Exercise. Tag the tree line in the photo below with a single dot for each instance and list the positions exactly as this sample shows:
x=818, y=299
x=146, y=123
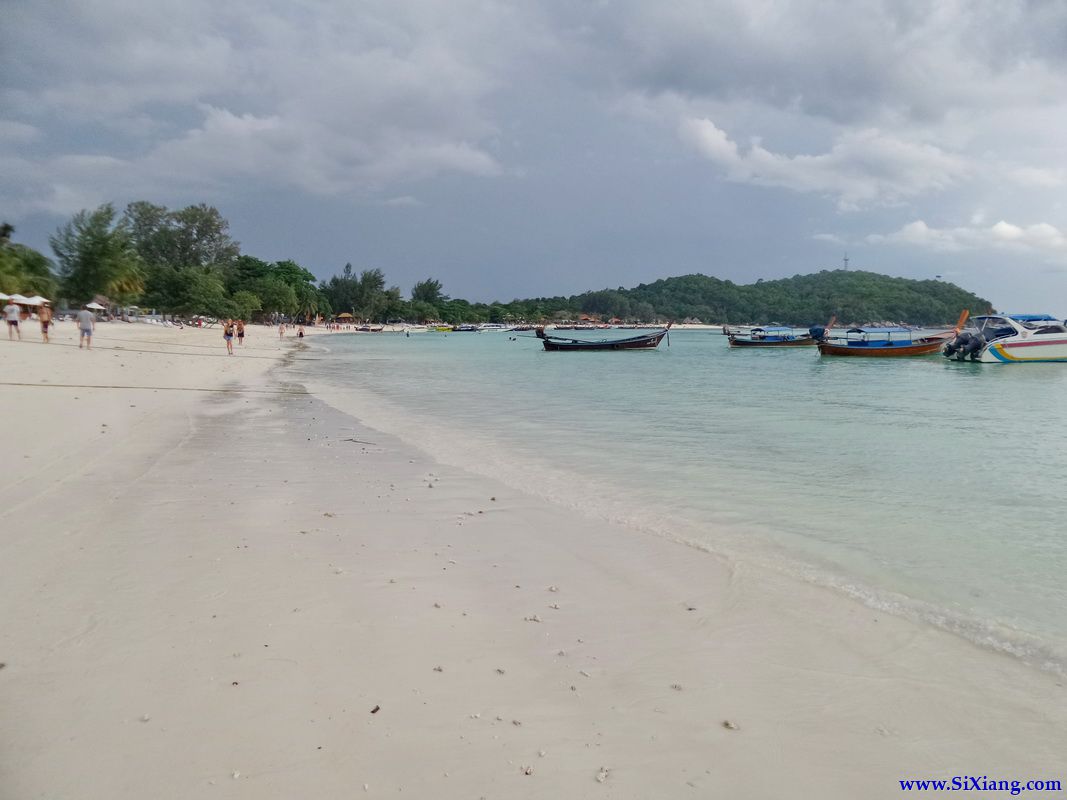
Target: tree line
x=185, y=262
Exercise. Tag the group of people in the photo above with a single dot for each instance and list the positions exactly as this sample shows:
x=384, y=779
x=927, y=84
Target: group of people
x=231, y=328
x=299, y=331
x=85, y=318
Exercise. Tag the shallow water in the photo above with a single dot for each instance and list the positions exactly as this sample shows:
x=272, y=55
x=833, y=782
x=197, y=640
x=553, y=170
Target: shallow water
x=923, y=486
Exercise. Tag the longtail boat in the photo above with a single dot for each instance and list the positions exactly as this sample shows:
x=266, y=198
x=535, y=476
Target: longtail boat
x=645, y=341
x=779, y=336
x=887, y=342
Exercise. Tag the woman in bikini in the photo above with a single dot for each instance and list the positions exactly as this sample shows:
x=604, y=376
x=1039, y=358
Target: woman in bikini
x=227, y=334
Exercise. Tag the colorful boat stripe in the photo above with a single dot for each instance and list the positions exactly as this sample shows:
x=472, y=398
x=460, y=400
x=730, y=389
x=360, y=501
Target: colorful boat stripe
x=1001, y=354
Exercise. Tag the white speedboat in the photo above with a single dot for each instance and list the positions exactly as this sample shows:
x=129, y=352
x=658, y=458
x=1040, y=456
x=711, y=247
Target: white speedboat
x=1011, y=339
x=492, y=327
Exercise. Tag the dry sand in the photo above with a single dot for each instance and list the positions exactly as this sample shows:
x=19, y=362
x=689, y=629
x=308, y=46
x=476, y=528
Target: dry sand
x=208, y=594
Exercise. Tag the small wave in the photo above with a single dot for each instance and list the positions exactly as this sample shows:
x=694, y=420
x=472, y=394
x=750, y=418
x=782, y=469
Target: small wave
x=731, y=536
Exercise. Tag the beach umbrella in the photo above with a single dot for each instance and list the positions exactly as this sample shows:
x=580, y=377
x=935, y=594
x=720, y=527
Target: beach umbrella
x=345, y=315
x=36, y=300
x=18, y=298
x=94, y=306
x=4, y=296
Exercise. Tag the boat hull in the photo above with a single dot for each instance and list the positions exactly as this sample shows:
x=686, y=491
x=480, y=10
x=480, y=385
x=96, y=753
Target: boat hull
x=921, y=348
x=802, y=341
x=646, y=342
x=1023, y=351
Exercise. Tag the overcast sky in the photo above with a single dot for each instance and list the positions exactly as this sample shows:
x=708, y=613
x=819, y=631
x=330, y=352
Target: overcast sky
x=513, y=149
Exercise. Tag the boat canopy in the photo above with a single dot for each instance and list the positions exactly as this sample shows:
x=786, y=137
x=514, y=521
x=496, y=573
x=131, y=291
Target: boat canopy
x=879, y=330
x=772, y=329
x=1031, y=317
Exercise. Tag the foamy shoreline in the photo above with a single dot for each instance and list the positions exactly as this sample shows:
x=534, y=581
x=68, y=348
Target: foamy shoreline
x=211, y=582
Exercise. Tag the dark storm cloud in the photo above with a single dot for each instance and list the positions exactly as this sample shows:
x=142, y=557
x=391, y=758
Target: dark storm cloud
x=450, y=134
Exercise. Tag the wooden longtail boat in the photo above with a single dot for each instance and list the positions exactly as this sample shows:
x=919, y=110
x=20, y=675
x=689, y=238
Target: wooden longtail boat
x=645, y=341
x=880, y=342
x=779, y=336
x=771, y=337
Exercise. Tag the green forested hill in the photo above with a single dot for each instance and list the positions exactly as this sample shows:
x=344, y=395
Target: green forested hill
x=801, y=300
x=185, y=262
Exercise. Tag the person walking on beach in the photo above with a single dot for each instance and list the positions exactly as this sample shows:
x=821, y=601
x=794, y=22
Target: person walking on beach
x=86, y=324
x=11, y=314
x=44, y=316
x=241, y=332
x=281, y=331
x=227, y=334
x=300, y=332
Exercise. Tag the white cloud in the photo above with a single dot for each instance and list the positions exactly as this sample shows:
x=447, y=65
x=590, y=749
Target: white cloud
x=402, y=201
x=1041, y=239
x=325, y=98
x=832, y=238
x=12, y=132
x=863, y=167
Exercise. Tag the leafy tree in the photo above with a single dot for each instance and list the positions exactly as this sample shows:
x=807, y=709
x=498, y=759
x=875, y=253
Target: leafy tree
x=96, y=255
x=342, y=291
x=423, y=312
x=246, y=304
x=276, y=296
x=23, y=269
x=245, y=272
x=171, y=242
x=428, y=291
x=202, y=237
x=204, y=292
x=292, y=273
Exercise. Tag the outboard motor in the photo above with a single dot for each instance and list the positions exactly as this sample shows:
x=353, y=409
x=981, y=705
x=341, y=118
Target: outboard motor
x=817, y=332
x=964, y=345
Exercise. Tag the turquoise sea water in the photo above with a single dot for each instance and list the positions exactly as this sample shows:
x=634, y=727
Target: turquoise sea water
x=927, y=487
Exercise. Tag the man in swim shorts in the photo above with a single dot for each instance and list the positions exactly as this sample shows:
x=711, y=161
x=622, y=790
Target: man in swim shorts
x=86, y=324
x=11, y=314
x=44, y=316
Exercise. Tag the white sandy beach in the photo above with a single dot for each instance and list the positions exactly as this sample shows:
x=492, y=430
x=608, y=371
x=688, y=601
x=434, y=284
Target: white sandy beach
x=210, y=579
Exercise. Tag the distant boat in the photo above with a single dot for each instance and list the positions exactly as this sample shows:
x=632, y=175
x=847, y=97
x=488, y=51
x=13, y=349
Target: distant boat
x=466, y=328
x=1011, y=339
x=645, y=341
x=370, y=328
x=778, y=336
x=492, y=327
x=887, y=342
